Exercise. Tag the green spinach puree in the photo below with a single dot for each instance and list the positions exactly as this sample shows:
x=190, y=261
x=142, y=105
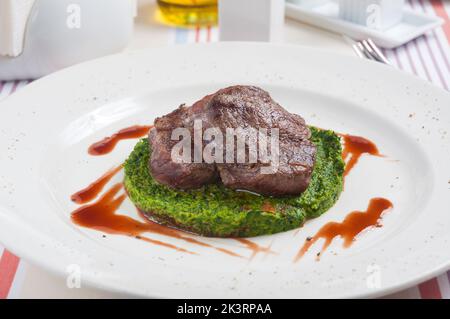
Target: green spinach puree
x=216, y=211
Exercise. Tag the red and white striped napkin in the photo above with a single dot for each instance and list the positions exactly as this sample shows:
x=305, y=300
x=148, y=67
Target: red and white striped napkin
x=427, y=57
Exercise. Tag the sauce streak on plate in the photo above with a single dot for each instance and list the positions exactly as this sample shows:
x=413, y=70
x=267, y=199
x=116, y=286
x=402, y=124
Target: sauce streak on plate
x=352, y=225
x=175, y=233
x=254, y=247
x=101, y=215
x=354, y=147
x=106, y=145
x=93, y=190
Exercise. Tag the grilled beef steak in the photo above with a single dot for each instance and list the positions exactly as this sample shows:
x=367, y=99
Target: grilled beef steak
x=164, y=170
x=248, y=109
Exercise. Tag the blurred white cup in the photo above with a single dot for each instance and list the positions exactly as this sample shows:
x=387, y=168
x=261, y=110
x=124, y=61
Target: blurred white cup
x=61, y=33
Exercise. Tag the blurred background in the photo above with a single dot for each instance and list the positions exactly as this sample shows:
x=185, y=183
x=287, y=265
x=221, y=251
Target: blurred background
x=38, y=37
x=154, y=23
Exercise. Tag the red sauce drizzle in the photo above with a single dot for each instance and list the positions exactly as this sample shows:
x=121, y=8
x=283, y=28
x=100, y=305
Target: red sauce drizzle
x=254, y=247
x=268, y=207
x=89, y=193
x=352, y=225
x=355, y=146
x=101, y=215
x=175, y=233
x=106, y=145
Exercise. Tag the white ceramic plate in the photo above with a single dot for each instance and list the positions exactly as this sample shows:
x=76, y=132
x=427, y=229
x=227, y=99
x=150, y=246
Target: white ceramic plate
x=45, y=130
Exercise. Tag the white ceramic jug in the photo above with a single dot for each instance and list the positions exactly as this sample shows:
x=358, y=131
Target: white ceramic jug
x=61, y=33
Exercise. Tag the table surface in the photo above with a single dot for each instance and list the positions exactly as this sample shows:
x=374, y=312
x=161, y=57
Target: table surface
x=427, y=57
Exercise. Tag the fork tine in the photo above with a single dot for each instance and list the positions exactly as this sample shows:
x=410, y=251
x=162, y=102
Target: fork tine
x=370, y=51
x=377, y=51
x=365, y=51
x=358, y=51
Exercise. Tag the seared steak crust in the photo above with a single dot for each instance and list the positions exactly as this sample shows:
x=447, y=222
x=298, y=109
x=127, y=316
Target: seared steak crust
x=250, y=109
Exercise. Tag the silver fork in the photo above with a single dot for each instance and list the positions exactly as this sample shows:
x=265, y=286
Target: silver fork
x=367, y=49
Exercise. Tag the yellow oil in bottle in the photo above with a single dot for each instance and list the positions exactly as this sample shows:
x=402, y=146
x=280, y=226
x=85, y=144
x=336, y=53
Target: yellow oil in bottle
x=187, y=13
